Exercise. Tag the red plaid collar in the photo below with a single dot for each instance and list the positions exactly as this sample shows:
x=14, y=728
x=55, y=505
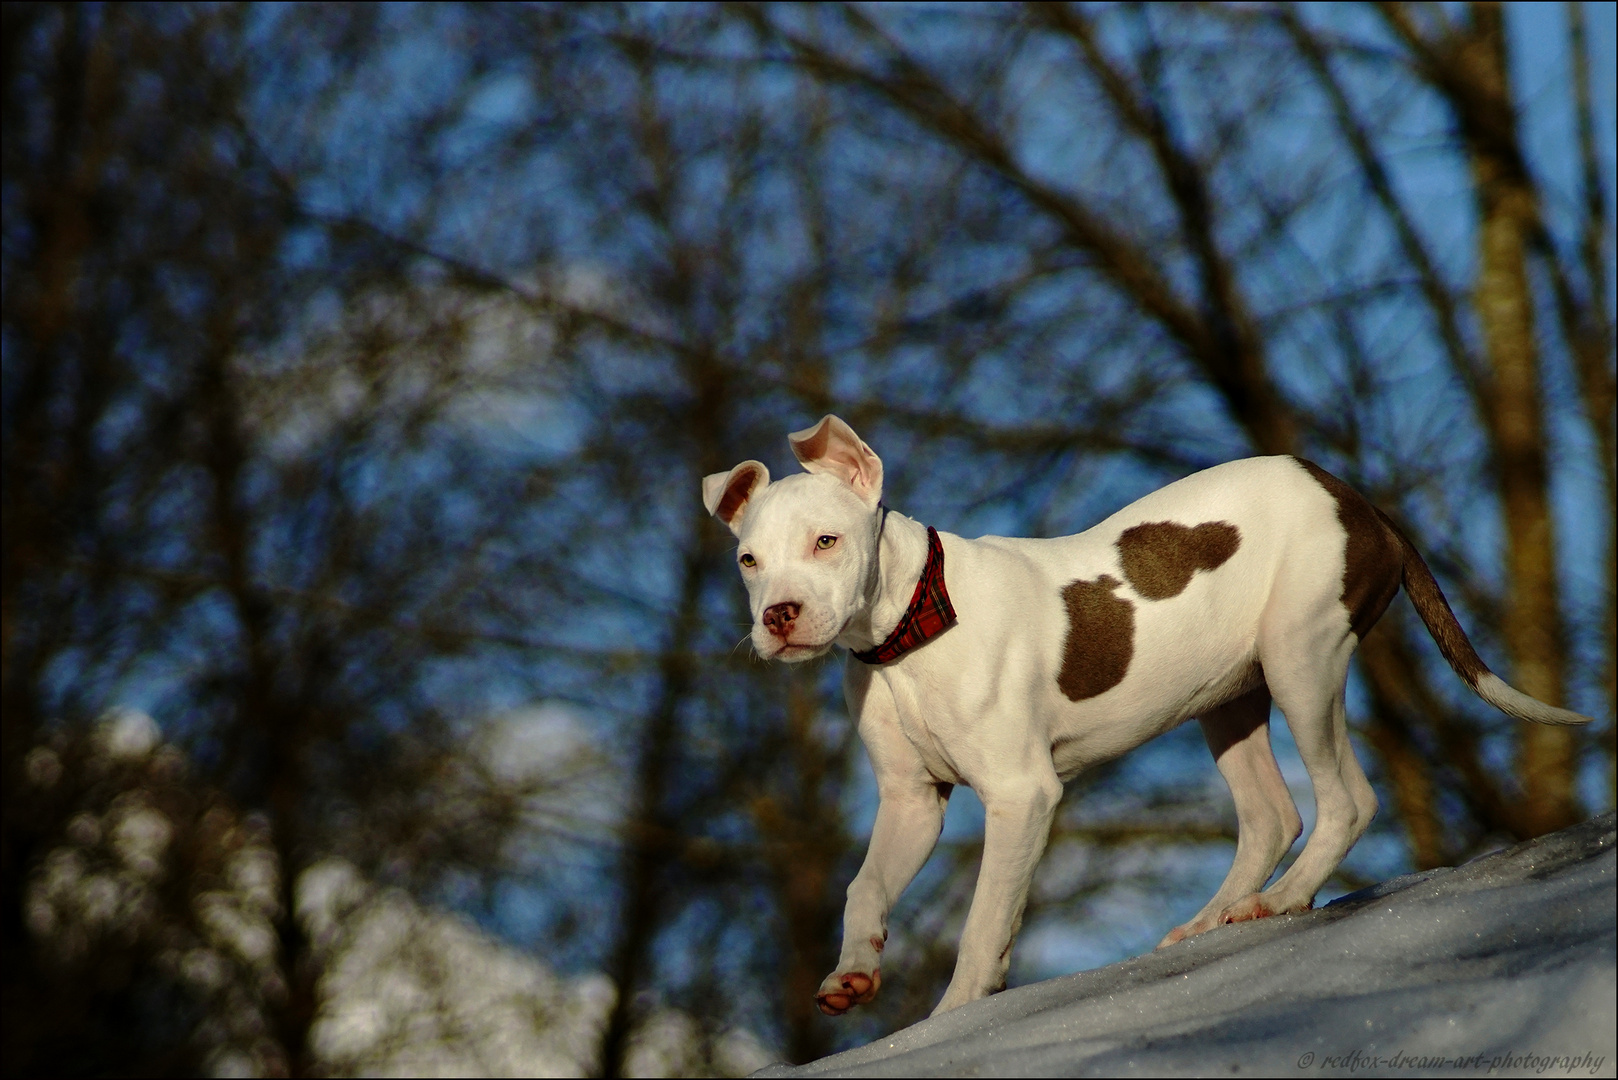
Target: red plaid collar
x=930, y=613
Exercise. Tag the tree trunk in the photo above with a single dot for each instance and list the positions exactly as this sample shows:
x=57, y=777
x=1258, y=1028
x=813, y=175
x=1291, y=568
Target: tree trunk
x=1507, y=217
x=1593, y=355
x=648, y=833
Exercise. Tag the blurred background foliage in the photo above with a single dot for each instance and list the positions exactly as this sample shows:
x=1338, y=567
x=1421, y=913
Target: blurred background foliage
x=375, y=690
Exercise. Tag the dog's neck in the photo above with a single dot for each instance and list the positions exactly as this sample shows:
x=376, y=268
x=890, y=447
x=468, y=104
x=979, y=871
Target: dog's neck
x=901, y=555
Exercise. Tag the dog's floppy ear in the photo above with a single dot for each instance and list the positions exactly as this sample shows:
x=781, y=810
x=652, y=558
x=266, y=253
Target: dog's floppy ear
x=831, y=447
x=726, y=494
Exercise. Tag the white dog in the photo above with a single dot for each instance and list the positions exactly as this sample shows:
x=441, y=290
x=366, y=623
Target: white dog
x=1011, y=665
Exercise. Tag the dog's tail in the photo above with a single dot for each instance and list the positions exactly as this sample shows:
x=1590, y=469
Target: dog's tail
x=1457, y=648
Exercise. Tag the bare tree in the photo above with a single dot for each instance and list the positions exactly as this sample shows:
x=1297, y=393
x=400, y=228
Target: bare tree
x=1192, y=262
x=361, y=366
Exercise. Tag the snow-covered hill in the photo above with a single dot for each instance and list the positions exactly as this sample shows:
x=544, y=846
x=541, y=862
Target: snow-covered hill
x=1504, y=966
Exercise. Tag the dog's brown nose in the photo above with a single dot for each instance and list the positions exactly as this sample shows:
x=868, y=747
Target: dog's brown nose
x=778, y=618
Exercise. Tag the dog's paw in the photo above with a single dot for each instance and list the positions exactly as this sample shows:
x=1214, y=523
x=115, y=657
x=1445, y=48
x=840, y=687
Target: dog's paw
x=844, y=990
x=1252, y=906
x=1185, y=930
x=1199, y=925
x=1257, y=906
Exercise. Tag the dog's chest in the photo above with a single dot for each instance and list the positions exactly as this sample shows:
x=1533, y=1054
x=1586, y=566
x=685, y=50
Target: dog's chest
x=926, y=725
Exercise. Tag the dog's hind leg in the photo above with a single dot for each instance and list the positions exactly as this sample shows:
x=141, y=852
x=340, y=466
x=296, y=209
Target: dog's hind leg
x=1267, y=822
x=1306, y=675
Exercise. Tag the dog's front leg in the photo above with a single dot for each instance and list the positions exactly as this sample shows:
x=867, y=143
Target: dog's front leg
x=909, y=818
x=908, y=821
x=1017, y=820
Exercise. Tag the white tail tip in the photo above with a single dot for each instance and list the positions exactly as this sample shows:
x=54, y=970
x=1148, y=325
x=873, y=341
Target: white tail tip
x=1496, y=692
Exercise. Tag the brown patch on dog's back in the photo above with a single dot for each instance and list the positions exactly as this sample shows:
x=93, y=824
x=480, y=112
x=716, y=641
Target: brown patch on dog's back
x=1100, y=638
x=1160, y=557
x=1373, y=558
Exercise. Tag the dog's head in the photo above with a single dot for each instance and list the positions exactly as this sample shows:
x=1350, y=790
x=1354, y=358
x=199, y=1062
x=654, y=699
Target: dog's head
x=808, y=543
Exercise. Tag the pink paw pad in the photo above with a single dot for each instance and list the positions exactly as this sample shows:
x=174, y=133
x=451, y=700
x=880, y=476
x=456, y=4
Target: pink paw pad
x=842, y=992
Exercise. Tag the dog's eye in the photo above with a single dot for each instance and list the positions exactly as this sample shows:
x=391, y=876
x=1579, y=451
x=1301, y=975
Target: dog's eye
x=747, y=560
x=825, y=542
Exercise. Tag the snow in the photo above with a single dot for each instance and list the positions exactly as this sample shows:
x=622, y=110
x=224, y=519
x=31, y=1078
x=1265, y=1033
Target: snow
x=411, y=990
x=404, y=988
x=1503, y=966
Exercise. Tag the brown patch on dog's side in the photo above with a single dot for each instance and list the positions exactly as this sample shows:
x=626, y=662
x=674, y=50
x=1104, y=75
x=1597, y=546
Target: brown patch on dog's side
x=1100, y=638
x=1373, y=559
x=1160, y=557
